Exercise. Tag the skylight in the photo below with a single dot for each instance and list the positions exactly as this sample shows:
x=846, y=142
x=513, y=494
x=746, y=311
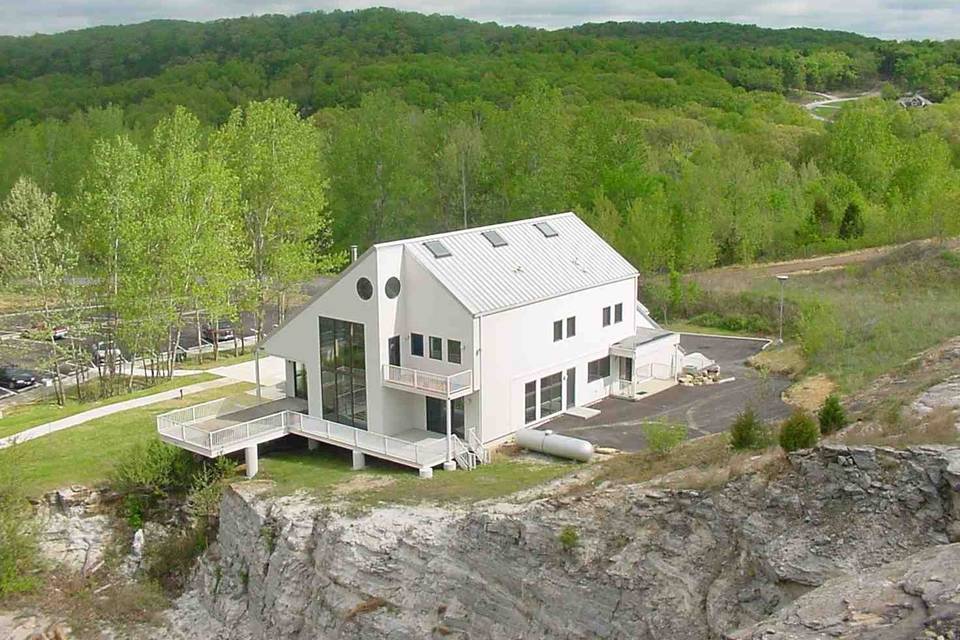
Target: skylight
x=494, y=238
x=437, y=248
x=546, y=229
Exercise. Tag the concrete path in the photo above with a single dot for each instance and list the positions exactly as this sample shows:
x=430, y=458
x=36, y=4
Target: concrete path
x=106, y=410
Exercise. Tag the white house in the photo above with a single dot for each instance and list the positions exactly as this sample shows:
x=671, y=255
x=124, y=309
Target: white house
x=425, y=350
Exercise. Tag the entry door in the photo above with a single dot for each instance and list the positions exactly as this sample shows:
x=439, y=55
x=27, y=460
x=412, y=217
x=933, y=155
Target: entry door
x=393, y=346
x=626, y=369
x=571, y=387
x=436, y=416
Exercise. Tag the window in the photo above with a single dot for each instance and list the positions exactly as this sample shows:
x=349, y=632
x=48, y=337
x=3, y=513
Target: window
x=551, y=388
x=343, y=380
x=392, y=288
x=530, y=402
x=437, y=248
x=618, y=312
x=571, y=326
x=436, y=348
x=299, y=381
x=436, y=416
x=364, y=289
x=558, y=330
x=494, y=238
x=453, y=351
x=606, y=316
x=546, y=229
x=598, y=369
x=416, y=344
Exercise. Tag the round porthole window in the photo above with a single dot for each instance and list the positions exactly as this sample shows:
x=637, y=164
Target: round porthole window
x=364, y=289
x=392, y=288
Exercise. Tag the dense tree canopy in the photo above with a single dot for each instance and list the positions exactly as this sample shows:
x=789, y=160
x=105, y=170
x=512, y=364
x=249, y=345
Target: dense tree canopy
x=679, y=142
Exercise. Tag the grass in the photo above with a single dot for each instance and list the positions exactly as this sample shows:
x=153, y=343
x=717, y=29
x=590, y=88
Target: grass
x=21, y=417
x=225, y=358
x=327, y=472
x=85, y=454
x=853, y=323
x=689, y=327
x=878, y=315
x=785, y=360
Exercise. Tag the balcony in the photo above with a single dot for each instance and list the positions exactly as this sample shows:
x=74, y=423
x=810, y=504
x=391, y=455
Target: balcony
x=217, y=428
x=429, y=384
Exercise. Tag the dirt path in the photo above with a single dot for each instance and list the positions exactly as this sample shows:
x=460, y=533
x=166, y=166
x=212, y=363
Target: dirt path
x=833, y=102
x=741, y=277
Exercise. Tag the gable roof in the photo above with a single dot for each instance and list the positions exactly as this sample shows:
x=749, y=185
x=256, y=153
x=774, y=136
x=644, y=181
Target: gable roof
x=529, y=268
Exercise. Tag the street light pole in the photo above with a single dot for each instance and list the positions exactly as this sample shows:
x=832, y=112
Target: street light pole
x=783, y=279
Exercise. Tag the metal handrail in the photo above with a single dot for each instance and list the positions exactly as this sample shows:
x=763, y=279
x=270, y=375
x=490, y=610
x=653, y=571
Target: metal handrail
x=427, y=381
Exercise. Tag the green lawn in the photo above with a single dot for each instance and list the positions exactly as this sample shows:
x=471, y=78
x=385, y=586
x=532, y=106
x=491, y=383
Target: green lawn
x=224, y=358
x=327, y=471
x=688, y=327
x=21, y=417
x=85, y=454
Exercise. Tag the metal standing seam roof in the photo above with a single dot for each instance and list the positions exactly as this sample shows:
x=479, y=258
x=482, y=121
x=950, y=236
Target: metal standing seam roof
x=529, y=268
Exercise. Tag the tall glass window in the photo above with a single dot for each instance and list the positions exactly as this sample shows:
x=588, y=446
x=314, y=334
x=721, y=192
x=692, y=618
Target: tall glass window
x=530, y=402
x=550, y=395
x=343, y=376
x=299, y=381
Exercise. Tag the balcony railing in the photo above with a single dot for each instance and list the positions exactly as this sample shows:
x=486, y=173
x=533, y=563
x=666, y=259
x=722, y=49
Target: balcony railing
x=433, y=384
x=424, y=453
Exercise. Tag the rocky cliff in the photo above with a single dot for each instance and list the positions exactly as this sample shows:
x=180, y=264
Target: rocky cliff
x=611, y=561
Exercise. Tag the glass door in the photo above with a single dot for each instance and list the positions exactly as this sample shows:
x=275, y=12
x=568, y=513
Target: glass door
x=571, y=387
x=393, y=346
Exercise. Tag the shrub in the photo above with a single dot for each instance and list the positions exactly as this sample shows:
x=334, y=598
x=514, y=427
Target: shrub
x=154, y=468
x=19, y=557
x=170, y=561
x=662, y=437
x=748, y=432
x=832, y=417
x=569, y=538
x=799, y=431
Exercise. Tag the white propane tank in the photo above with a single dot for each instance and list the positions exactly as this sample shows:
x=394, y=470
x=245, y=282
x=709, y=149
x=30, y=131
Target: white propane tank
x=555, y=445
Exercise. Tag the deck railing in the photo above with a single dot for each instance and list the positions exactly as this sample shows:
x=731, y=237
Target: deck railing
x=237, y=436
x=460, y=383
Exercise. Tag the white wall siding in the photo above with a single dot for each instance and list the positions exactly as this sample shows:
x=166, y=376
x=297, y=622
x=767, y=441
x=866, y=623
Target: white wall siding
x=518, y=347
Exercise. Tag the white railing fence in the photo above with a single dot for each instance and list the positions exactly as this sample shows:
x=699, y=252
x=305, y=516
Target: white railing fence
x=426, y=381
x=475, y=444
x=465, y=458
x=196, y=413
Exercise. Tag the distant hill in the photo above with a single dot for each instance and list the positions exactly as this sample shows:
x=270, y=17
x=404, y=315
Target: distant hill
x=330, y=59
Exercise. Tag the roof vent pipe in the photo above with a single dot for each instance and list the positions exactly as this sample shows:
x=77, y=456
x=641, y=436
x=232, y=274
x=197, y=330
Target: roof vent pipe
x=353, y=253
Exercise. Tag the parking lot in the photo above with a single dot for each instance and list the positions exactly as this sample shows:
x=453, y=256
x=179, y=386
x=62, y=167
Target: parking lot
x=19, y=349
x=703, y=409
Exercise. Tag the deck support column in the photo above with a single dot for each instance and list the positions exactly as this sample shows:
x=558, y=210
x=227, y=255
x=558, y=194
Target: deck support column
x=359, y=460
x=253, y=462
x=312, y=444
x=449, y=434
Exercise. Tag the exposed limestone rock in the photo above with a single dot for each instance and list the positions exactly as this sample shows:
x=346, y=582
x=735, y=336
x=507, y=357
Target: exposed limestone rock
x=913, y=599
x=74, y=531
x=646, y=564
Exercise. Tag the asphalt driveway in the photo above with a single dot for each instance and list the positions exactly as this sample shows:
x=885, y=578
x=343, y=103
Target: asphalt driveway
x=704, y=409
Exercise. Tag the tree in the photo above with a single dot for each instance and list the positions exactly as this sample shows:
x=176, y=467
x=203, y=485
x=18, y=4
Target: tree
x=748, y=432
x=32, y=244
x=851, y=225
x=831, y=416
x=276, y=157
x=799, y=431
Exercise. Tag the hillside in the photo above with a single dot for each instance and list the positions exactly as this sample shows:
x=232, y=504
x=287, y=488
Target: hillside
x=676, y=141
x=327, y=59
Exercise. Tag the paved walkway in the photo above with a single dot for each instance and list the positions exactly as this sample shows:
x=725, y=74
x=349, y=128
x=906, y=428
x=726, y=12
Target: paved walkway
x=106, y=410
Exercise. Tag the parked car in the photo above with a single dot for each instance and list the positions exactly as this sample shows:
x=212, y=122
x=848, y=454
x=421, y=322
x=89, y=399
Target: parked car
x=17, y=378
x=40, y=331
x=220, y=333
x=101, y=354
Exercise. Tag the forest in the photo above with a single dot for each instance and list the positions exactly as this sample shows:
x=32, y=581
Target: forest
x=682, y=143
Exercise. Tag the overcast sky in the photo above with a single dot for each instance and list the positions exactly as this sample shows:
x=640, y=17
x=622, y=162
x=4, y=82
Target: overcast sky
x=899, y=19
